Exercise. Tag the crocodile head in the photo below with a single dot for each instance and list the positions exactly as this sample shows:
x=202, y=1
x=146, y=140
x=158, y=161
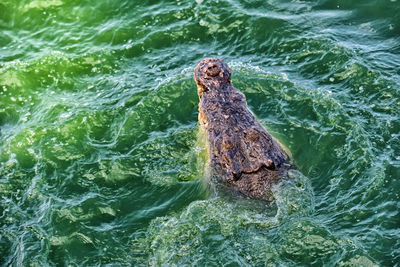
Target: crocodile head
x=242, y=154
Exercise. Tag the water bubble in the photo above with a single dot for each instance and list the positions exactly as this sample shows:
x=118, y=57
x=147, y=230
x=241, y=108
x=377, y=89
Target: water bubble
x=331, y=79
x=361, y=88
x=66, y=115
x=13, y=99
x=199, y=1
x=202, y=22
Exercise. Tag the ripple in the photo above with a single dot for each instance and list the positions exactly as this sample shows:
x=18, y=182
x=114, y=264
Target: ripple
x=99, y=157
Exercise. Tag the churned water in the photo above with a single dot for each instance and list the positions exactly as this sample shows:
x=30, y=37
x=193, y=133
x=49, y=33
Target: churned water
x=100, y=162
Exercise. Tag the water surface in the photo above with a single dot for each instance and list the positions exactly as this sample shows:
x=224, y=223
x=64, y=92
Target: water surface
x=100, y=162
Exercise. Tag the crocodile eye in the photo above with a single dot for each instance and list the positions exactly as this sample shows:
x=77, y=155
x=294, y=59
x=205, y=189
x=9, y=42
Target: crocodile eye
x=253, y=135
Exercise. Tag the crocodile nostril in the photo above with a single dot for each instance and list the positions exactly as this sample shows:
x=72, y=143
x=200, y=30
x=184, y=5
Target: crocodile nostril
x=213, y=70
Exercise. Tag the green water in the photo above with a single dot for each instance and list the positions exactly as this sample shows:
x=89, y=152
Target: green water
x=100, y=163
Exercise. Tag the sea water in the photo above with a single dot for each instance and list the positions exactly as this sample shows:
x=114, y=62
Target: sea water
x=100, y=163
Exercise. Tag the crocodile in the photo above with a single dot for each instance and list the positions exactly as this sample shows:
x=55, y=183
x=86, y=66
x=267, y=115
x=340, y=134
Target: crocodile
x=242, y=154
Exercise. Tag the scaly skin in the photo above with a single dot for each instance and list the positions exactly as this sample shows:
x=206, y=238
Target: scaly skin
x=242, y=153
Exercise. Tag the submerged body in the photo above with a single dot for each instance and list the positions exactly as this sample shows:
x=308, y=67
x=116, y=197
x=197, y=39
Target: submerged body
x=243, y=155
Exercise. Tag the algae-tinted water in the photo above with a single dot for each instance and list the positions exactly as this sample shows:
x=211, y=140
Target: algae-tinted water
x=99, y=158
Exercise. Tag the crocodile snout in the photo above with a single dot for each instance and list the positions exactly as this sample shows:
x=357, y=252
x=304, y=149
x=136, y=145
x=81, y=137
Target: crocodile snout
x=212, y=69
x=211, y=74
